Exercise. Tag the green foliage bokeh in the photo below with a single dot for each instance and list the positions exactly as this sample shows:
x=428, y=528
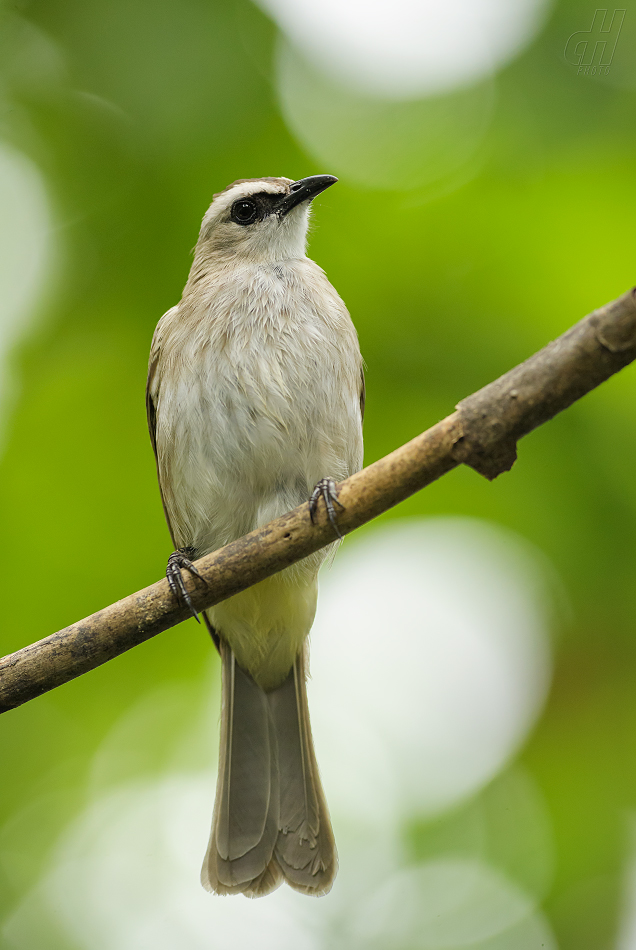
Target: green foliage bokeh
x=136, y=113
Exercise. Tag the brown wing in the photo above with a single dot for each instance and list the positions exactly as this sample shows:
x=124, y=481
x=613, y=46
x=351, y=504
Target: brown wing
x=151, y=412
x=363, y=395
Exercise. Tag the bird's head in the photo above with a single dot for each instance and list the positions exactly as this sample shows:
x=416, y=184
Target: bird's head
x=261, y=218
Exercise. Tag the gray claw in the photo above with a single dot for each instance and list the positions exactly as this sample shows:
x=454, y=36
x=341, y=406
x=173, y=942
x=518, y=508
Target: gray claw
x=177, y=562
x=326, y=489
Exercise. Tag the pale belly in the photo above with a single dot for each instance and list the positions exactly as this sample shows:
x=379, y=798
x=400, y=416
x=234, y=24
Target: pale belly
x=267, y=624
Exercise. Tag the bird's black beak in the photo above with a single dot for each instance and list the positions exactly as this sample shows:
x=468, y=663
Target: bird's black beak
x=303, y=190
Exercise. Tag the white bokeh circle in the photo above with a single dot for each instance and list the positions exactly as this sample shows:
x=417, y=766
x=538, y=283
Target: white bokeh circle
x=448, y=904
x=430, y=661
x=408, y=48
x=416, y=144
x=25, y=249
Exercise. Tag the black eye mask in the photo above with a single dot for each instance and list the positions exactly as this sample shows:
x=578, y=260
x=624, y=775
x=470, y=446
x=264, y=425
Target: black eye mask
x=249, y=210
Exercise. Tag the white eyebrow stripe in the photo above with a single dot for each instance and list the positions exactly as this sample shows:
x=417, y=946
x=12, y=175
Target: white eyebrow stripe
x=247, y=188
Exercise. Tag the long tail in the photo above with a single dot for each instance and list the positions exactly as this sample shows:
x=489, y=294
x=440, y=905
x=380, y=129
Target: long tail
x=271, y=821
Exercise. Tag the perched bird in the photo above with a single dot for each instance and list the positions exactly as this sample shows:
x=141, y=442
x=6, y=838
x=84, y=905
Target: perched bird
x=255, y=399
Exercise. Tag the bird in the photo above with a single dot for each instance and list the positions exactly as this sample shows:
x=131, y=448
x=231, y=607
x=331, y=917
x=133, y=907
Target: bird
x=255, y=400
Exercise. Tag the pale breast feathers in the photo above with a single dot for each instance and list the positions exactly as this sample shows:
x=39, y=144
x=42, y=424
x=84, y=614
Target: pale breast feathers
x=255, y=392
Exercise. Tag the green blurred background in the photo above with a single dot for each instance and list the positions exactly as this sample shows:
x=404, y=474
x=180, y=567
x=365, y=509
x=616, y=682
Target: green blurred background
x=466, y=231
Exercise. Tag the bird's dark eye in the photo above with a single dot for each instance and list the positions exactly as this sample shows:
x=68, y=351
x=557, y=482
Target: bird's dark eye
x=244, y=211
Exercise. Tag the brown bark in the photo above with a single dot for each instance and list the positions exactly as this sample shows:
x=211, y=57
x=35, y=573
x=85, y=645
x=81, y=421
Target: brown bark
x=482, y=433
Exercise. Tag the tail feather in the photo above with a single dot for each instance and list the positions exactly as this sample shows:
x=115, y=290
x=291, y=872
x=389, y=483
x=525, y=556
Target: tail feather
x=245, y=803
x=305, y=848
x=270, y=817
x=245, y=824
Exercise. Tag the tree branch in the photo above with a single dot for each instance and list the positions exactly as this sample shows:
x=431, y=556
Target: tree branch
x=482, y=433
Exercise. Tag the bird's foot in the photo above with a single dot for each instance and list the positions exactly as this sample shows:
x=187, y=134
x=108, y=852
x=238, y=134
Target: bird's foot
x=177, y=562
x=325, y=489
